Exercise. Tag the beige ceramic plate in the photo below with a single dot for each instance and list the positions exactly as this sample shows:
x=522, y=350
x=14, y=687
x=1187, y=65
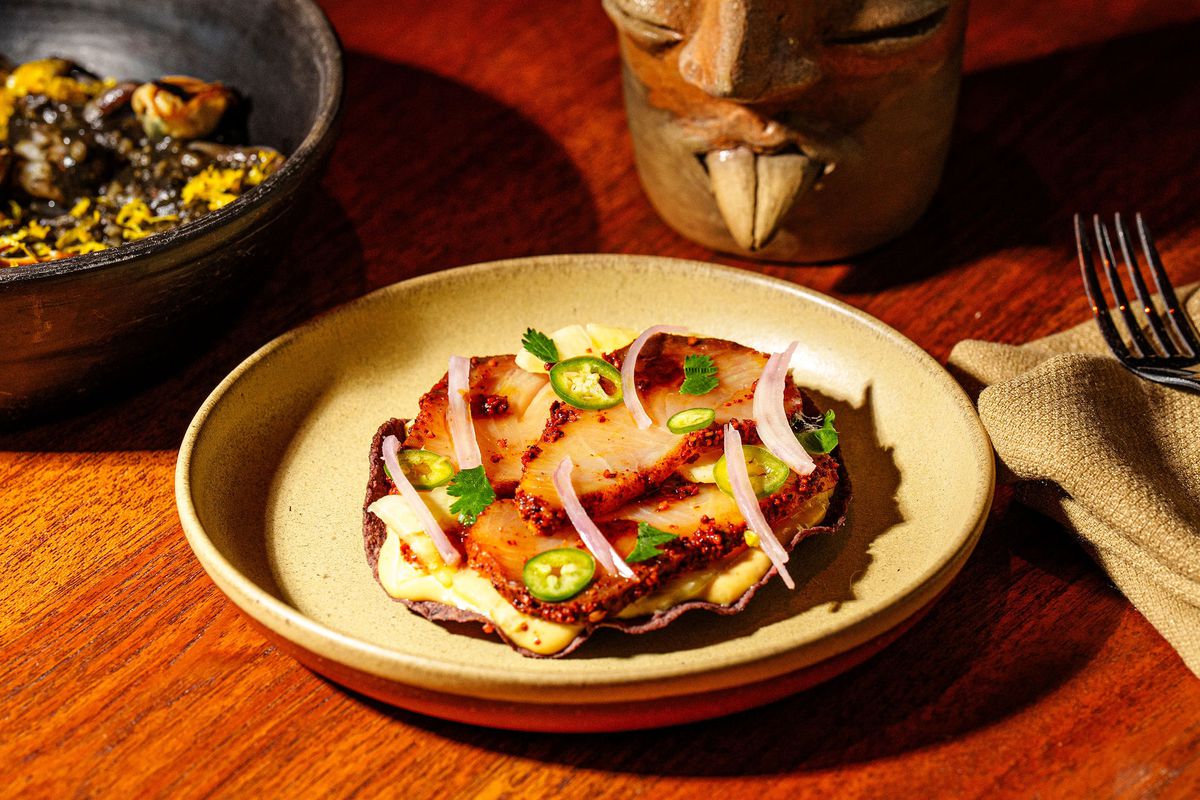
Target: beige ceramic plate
x=272, y=473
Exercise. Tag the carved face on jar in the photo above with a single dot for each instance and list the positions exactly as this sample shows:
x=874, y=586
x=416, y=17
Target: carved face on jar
x=791, y=130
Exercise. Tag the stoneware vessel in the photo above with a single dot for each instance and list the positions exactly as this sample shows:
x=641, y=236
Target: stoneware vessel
x=790, y=130
x=93, y=322
x=273, y=469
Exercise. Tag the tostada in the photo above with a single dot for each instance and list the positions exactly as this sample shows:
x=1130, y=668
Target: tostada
x=599, y=478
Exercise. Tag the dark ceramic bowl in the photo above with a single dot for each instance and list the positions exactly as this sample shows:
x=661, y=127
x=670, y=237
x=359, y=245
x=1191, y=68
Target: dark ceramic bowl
x=73, y=327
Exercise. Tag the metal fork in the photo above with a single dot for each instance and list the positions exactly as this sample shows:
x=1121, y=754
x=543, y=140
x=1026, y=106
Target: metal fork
x=1166, y=355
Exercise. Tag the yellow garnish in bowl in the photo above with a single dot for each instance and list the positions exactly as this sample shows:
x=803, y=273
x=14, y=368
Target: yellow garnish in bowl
x=214, y=186
x=6, y=108
x=268, y=163
x=48, y=76
x=134, y=215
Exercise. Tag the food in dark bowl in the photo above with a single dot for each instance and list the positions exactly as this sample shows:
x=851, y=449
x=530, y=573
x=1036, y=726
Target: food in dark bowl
x=88, y=163
x=77, y=323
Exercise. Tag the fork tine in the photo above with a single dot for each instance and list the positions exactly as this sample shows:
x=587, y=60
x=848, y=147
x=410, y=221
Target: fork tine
x=1141, y=346
x=1095, y=295
x=1157, y=330
x=1175, y=313
x=1179, y=378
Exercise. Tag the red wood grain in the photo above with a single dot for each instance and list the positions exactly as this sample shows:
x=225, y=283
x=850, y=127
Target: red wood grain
x=481, y=129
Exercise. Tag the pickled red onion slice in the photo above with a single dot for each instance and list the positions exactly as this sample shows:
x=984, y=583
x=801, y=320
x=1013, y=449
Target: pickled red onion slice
x=747, y=503
x=448, y=552
x=629, y=367
x=458, y=414
x=770, y=416
x=606, y=555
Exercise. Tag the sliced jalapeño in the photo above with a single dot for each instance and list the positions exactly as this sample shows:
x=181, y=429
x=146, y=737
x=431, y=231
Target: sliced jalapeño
x=694, y=419
x=423, y=468
x=559, y=574
x=767, y=473
x=587, y=382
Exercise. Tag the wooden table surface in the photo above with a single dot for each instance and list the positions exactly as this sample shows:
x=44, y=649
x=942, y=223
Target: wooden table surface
x=481, y=129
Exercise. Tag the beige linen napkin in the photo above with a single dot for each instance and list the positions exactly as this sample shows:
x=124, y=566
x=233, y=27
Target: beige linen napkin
x=1111, y=456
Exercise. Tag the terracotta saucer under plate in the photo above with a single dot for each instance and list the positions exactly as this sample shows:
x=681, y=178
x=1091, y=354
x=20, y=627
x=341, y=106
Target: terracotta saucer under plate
x=272, y=472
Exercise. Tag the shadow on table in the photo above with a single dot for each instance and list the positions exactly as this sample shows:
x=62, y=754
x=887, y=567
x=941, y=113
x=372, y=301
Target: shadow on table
x=1036, y=142
x=427, y=174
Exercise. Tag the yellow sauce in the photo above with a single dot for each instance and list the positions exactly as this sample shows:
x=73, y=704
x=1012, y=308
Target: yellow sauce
x=461, y=587
x=727, y=580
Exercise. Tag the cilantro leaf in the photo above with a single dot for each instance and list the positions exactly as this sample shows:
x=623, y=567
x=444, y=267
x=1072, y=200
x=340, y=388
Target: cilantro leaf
x=648, y=541
x=541, y=346
x=474, y=494
x=699, y=375
x=822, y=439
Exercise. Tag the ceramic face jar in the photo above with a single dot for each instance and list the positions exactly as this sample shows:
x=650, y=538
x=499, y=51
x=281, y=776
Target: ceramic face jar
x=791, y=130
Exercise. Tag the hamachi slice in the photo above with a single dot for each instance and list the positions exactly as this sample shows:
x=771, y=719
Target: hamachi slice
x=707, y=523
x=509, y=407
x=615, y=461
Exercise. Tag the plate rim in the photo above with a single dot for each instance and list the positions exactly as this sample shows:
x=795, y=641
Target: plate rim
x=303, y=631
